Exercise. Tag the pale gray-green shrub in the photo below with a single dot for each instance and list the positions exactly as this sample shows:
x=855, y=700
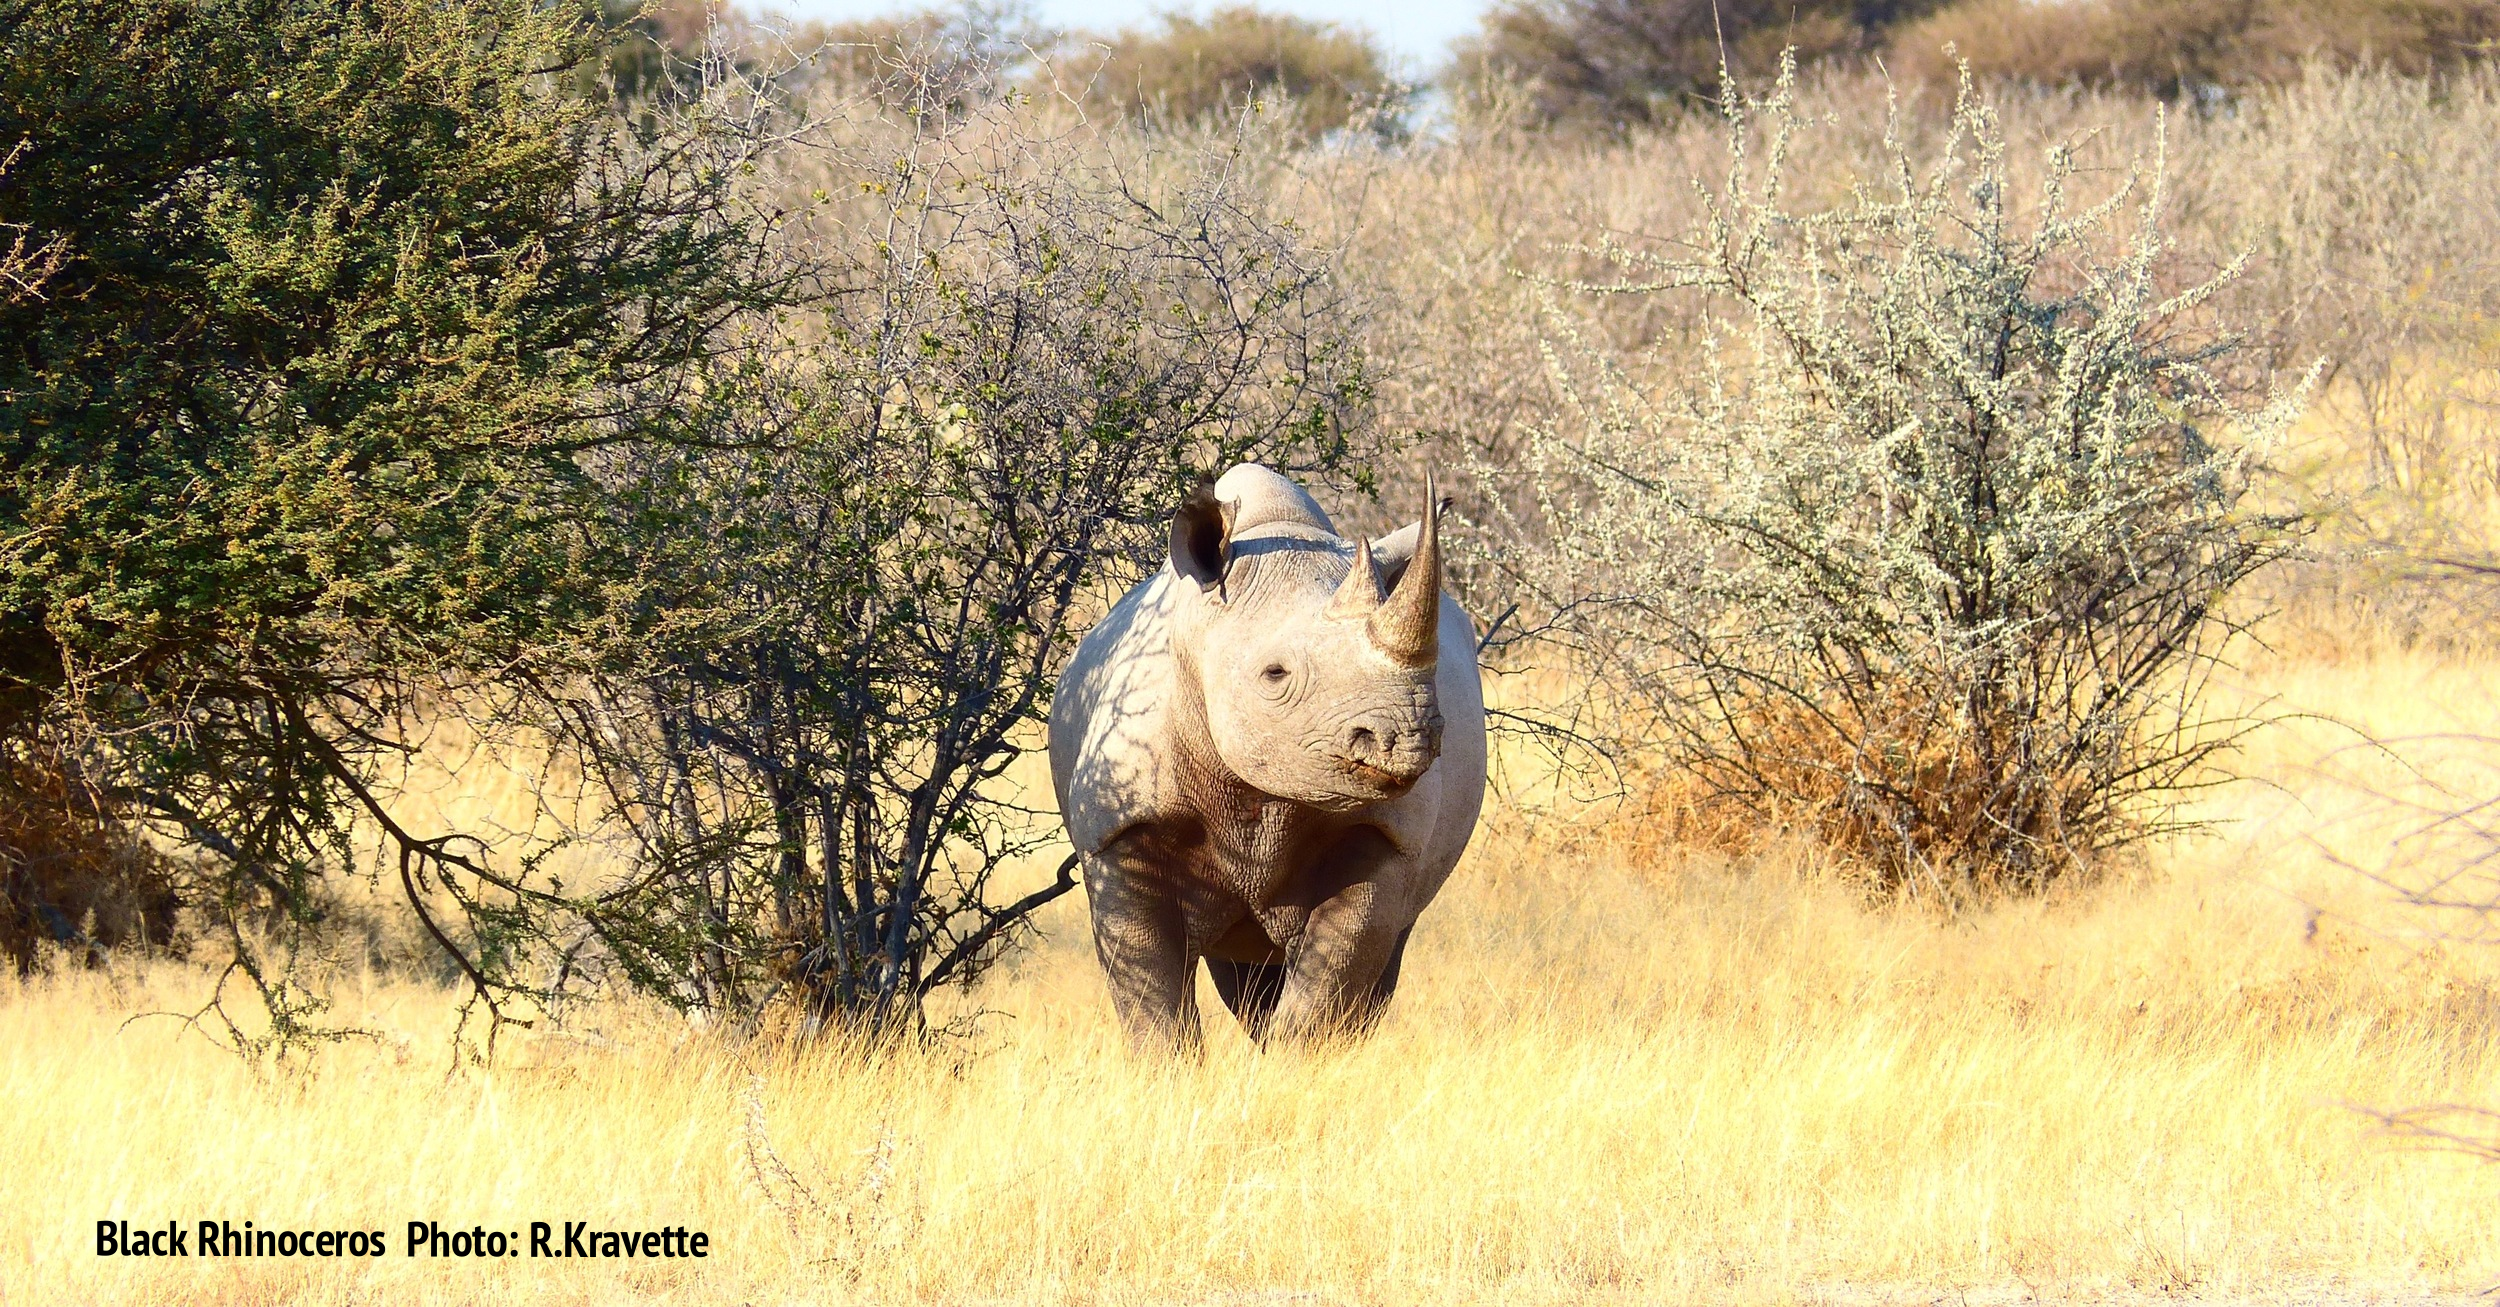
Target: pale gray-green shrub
x=2354, y=194
x=1930, y=549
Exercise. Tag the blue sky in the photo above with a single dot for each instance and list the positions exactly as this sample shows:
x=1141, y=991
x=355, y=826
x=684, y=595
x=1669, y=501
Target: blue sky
x=1417, y=32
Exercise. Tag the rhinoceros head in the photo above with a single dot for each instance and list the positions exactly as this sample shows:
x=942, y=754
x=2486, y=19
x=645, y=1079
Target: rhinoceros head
x=1316, y=658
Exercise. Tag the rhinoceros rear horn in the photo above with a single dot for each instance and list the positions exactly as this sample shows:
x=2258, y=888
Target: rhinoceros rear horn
x=1202, y=536
x=1407, y=624
x=1359, y=594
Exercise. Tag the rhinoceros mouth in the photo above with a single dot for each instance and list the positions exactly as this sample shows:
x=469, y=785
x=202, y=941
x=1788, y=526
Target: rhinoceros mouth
x=1379, y=778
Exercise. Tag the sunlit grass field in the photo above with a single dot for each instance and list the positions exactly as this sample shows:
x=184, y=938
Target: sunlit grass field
x=1617, y=1072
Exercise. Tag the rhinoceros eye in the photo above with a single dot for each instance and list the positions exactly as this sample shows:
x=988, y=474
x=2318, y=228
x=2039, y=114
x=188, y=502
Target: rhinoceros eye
x=1275, y=674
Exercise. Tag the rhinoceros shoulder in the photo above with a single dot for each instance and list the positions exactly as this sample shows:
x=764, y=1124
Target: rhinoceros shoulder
x=1110, y=733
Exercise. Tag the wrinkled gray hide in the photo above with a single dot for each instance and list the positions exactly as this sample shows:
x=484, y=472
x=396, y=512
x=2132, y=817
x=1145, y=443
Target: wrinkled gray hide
x=1270, y=754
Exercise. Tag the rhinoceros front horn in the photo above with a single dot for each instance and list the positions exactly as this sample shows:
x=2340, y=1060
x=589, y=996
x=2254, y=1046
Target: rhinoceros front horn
x=1407, y=624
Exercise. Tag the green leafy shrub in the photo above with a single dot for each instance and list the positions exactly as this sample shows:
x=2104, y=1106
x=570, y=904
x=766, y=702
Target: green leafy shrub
x=340, y=299
x=1934, y=555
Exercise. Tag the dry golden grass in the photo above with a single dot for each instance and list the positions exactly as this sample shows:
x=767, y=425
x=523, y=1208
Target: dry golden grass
x=1616, y=1073
x=1620, y=1070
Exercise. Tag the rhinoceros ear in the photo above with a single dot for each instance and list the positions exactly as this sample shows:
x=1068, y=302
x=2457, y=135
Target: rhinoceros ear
x=1396, y=549
x=1202, y=536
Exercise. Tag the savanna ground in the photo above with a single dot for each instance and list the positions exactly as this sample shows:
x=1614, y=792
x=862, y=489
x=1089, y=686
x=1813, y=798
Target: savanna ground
x=1619, y=1068
x=1618, y=1071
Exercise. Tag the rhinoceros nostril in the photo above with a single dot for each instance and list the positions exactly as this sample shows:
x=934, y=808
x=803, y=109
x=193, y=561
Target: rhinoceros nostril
x=1362, y=743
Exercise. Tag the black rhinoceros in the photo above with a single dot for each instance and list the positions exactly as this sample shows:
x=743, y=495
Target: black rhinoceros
x=1269, y=755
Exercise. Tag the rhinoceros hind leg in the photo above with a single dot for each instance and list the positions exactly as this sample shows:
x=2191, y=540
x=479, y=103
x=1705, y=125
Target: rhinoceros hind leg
x=1250, y=989
x=1388, y=982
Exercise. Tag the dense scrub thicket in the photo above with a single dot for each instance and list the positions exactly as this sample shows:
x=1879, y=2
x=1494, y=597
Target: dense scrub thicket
x=1182, y=71
x=748, y=440
x=2357, y=197
x=1617, y=63
x=739, y=439
x=875, y=540
x=2199, y=47
x=1189, y=67
x=1621, y=63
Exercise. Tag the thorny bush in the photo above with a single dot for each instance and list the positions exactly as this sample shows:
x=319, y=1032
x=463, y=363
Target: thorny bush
x=869, y=548
x=1932, y=555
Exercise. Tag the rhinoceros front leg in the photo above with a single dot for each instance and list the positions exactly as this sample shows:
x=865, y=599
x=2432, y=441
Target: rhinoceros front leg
x=1142, y=938
x=1340, y=971
x=1250, y=989
x=1253, y=989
